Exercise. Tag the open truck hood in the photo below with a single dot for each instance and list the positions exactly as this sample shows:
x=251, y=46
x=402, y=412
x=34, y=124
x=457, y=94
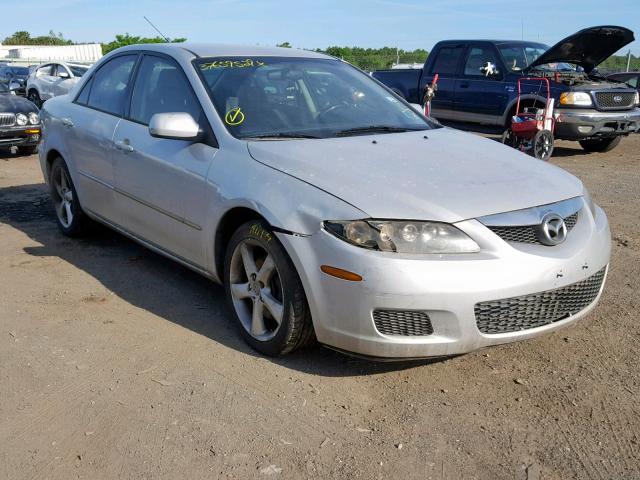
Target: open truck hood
x=587, y=48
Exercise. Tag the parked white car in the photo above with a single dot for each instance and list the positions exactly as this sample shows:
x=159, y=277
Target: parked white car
x=52, y=79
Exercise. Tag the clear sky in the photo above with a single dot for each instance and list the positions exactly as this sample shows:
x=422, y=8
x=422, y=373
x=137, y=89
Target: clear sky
x=407, y=24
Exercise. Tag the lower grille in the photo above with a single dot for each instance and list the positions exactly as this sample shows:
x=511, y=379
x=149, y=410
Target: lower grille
x=7, y=119
x=406, y=323
x=527, y=233
x=531, y=311
x=613, y=100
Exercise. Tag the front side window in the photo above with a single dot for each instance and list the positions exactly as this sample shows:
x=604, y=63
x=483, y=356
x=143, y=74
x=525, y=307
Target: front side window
x=109, y=89
x=477, y=59
x=46, y=70
x=518, y=57
x=313, y=97
x=161, y=87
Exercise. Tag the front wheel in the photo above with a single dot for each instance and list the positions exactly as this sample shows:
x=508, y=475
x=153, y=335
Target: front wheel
x=264, y=292
x=542, y=145
x=600, y=144
x=35, y=98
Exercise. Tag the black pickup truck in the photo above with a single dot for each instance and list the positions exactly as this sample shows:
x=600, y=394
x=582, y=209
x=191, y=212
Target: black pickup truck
x=477, y=84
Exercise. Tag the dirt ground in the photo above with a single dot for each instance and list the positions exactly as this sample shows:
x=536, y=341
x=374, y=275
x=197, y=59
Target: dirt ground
x=118, y=363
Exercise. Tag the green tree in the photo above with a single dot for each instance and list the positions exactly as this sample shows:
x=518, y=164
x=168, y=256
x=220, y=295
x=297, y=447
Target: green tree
x=126, y=39
x=284, y=45
x=24, y=38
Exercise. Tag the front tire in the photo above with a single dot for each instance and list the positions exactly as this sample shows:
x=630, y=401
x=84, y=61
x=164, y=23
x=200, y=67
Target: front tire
x=34, y=97
x=264, y=292
x=71, y=220
x=600, y=144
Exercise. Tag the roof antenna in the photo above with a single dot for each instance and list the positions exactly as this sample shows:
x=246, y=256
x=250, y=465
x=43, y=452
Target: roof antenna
x=156, y=29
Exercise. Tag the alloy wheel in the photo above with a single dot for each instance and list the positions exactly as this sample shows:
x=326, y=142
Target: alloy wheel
x=63, y=197
x=256, y=290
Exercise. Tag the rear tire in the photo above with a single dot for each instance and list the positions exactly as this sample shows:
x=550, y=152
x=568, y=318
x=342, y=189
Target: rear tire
x=264, y=292
x=71, y=220
x=600, y=144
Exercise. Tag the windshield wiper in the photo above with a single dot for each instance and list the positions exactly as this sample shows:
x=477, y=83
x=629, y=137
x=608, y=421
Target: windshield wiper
x=375, y=129
x=281, y=135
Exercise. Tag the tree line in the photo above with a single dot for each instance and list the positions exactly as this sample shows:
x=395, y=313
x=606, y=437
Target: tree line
x=364, y=58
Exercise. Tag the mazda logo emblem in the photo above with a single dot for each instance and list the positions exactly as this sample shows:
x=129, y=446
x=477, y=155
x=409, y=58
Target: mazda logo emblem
x=617, y=98
x=552, y=230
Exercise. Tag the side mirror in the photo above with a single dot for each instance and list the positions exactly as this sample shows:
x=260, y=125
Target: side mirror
x=177, y=126
x=64, y=74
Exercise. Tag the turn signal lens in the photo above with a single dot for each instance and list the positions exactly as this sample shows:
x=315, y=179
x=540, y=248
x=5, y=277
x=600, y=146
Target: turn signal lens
x=340, y=273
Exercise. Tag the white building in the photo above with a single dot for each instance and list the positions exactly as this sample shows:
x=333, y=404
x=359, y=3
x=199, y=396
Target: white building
x=85, y=53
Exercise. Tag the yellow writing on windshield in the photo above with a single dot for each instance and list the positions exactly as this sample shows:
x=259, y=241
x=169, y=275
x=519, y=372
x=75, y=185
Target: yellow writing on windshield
x=234, y=117
x=247, y=63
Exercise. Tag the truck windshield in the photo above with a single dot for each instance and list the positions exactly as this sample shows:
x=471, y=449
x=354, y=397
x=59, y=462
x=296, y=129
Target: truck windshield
x=287, y=97
x=518, y=57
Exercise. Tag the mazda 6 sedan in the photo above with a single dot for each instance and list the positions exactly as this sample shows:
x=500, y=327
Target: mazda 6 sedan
x=328, y=207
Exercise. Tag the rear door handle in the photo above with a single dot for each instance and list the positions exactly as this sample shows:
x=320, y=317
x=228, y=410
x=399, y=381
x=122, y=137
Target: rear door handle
x=67, y=122
x=124, y=146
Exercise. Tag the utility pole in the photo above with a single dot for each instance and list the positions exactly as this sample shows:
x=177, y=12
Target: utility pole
x=628, y=59
x=522, y=28
x=397, y=56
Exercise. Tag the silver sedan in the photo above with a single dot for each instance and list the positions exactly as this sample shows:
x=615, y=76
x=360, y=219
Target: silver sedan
x=326, y=205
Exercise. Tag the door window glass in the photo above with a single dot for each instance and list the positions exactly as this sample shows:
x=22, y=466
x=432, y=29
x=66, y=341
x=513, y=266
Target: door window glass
x=447, y=61
x=478, y=57
x=84, y=94
x=109, y=90
x=46, y=70
x=161, y=87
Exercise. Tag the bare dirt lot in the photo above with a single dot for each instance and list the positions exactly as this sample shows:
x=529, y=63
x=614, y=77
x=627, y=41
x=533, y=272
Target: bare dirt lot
x=118, y=363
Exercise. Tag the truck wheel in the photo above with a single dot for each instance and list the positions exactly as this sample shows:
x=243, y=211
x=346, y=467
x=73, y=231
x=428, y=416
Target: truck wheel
x=543, y=145
x=600, y=144
x=264, y=292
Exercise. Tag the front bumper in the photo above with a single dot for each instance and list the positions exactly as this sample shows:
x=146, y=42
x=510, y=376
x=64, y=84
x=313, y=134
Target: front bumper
x=26, y=136
x=579, y=124
x=446, y=287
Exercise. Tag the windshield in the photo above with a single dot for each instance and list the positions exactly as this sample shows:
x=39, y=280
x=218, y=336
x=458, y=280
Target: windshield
x=78, y=71
x=302, y=97
x=518, y=57
x=18, y=70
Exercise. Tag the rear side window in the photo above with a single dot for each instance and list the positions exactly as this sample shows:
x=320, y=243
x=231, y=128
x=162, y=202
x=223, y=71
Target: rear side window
x=109, y=90
x=161, y=87
x=447, y=60
x=84, y=94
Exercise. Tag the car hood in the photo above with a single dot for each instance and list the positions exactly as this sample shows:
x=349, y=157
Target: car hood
x=449, y=176
x=587, y=48
x=15, y=104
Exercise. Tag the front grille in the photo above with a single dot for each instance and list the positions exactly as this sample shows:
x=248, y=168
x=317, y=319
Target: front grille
x=7, y=119
x=531, y=311
x=607, y=100
x=406, y=323
x=527, y=233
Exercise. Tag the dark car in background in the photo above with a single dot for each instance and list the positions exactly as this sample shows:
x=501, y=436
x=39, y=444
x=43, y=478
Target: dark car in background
x=19, y=122
x=15, y=74
x=478, y=78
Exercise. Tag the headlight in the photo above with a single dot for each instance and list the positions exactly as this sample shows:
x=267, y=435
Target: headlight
x=34, y=118
x=637, y=98
x=21, y=119
x=403, y=236
x=582, y=99
x=589, y=201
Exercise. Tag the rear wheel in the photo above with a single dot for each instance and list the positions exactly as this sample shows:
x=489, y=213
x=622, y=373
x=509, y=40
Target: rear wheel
x=35, y=98
x=264, y=292
x=71, y=220
x=542, y=145
x=600, y=144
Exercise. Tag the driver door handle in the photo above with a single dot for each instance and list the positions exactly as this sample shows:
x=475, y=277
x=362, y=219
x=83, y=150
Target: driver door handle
x=124, y=145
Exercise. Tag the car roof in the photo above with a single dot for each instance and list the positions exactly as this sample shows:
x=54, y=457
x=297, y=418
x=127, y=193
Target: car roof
x=223, y=50
x=496, y=42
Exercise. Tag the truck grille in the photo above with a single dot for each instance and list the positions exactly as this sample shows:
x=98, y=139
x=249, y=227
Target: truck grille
x=407, y=323
x=527, y=233
x=531, y=311
x=614, y=100
x=7, y=119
